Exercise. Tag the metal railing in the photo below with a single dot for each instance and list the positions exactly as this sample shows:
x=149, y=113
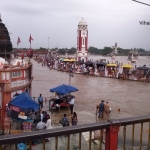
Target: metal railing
x=63, y=138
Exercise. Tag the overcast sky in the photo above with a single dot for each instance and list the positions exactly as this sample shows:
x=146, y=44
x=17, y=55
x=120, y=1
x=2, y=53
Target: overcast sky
x=109, y=21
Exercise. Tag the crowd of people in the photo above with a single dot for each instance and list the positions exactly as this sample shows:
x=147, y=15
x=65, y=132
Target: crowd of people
x=97, y=68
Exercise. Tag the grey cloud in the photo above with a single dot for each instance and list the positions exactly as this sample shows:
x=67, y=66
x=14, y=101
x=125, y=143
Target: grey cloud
x=108, y=22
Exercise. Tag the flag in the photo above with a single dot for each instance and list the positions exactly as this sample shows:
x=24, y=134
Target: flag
x=22, y=55
x=19, y=41
x=30, y=53
x=30, y=38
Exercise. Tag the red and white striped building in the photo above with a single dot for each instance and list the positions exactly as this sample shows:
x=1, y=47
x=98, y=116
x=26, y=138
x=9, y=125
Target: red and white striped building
x=82, y=41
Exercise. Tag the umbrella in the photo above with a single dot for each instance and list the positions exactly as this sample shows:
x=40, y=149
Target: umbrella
x=101, y=64
x=143, y=68
x=67, y=60
x=112, y=65
x=64, y=89
x=72, y=60
x=61, y=59
x=126, y=66
x=89, y=63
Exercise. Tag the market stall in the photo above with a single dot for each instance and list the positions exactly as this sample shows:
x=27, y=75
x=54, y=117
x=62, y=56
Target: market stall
x=90, y=67
x=112, y=70
x=20, y=110
x=126, y=71
x=63, y=96
x=101, y=68
x=143, y=73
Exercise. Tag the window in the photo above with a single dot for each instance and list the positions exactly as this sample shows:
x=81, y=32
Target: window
x=26, y=72
x=16, y=74
x=83, y=42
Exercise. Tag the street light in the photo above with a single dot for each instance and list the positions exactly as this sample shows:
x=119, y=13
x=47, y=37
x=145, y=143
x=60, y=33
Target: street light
x=70, y=75
x=48, y=43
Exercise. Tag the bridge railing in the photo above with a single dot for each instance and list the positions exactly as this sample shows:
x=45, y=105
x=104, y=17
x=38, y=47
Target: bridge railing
x=116, y=136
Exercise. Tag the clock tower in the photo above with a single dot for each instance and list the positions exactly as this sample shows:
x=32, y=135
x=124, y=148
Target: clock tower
x=82, y=41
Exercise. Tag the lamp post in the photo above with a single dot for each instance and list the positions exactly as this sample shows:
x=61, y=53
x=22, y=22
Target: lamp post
x=48, y=43
x=70, y=75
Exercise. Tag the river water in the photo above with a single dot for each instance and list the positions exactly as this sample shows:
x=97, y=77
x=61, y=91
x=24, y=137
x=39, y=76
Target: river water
x=131, y=97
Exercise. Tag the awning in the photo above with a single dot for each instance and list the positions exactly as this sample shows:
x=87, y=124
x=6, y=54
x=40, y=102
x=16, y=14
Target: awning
x=66, y=60
x=112, y=65
x=72, y=60
x=126, y=66
x=24, y=101
x=64, y=89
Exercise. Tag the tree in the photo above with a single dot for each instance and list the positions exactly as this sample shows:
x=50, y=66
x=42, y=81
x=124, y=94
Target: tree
x=107, y=50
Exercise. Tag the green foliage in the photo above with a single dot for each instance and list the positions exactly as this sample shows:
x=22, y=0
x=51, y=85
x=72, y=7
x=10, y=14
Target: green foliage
x=123, y=52
x=107, y=50
x=94, y=51
x=69, y=51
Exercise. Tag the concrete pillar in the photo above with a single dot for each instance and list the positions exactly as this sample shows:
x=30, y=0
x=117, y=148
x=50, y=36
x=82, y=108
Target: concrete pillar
x=111, y=137
x=5, y=119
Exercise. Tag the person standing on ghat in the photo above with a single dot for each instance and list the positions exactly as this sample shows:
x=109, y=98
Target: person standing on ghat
x=106, y=110
x=71, y=104
x=101, y=109
x=40, y=101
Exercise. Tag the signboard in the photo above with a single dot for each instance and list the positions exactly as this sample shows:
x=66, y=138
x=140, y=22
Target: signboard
x=17, y=109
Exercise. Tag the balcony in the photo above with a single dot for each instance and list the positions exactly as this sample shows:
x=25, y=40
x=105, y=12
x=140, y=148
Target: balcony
x=128, y=133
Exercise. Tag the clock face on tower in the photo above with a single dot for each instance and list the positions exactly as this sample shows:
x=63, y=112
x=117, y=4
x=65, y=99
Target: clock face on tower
x=83, y=33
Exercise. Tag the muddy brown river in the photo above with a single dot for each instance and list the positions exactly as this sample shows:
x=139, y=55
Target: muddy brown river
x=133, y=98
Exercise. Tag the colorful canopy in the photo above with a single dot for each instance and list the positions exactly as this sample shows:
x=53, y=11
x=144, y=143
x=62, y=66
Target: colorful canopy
x=126, y=66
x=112, y=65
x=64, y=89
x=61, y=58
x=67, y=60
x=24, y=101
x=143, y=68
x=72, y=60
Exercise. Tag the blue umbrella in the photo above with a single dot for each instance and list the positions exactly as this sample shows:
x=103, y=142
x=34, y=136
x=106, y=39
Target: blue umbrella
x=64, y=89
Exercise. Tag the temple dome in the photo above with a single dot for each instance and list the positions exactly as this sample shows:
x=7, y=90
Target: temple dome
x=83, y=22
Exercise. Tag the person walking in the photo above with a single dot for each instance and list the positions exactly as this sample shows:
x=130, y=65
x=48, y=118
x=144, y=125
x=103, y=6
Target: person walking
x=48, y=125
x=71, y=104
x=64, y=121
x=101, y=109
x=74, y=119
x=40, y=101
